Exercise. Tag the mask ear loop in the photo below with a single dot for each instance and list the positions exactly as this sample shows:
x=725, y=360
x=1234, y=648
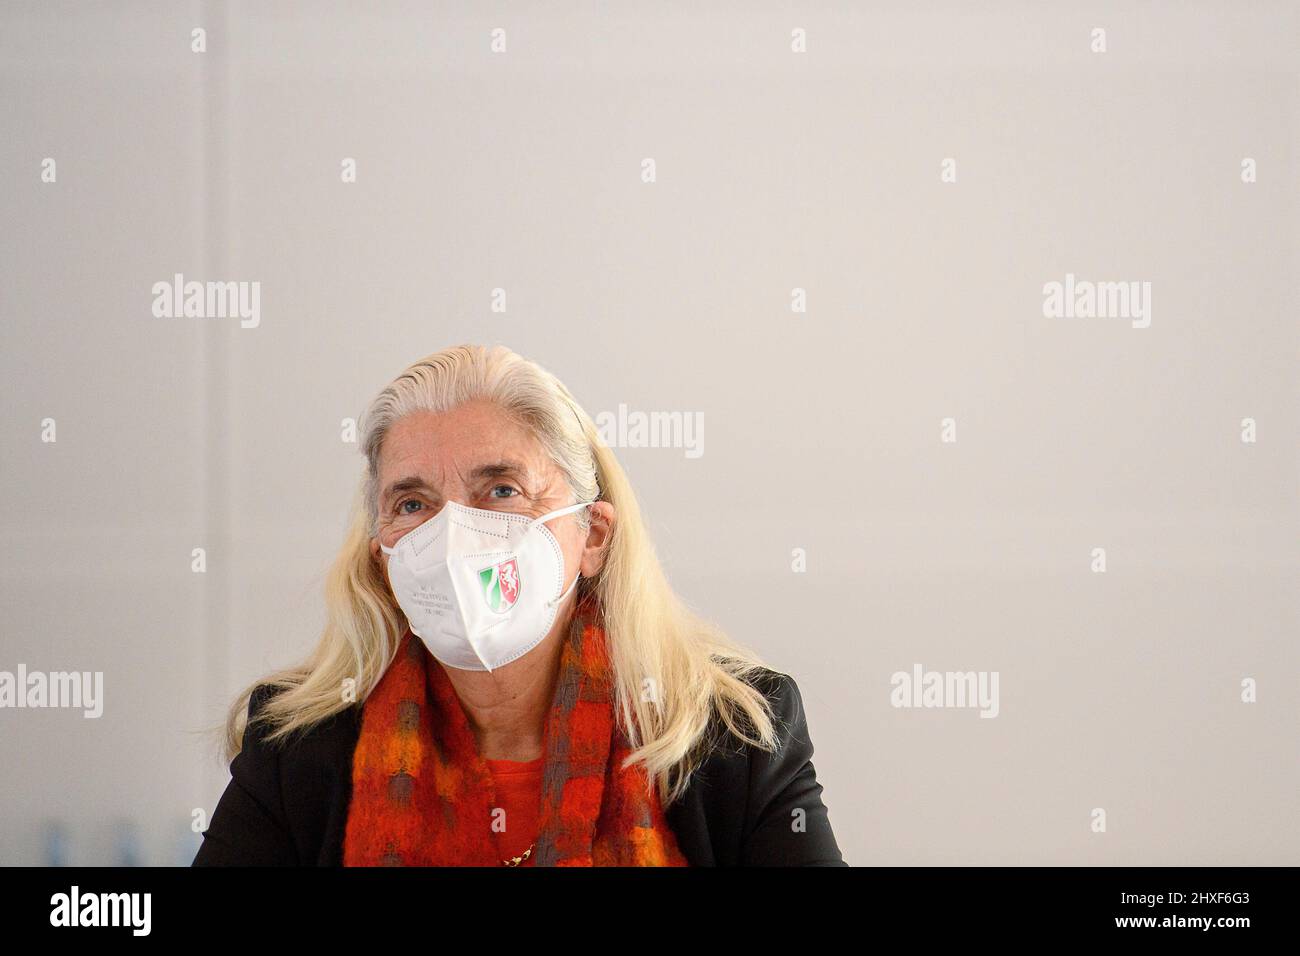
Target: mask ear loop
x=559, y=512
x=585, y=504
x=583, y=430
x=555, y=514
x=560, y=600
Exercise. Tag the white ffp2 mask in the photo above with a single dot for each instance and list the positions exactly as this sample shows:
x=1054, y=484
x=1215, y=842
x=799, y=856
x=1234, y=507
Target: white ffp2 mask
x=480, y=588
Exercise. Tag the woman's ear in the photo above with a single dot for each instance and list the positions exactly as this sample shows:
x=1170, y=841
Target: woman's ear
x=598, y=539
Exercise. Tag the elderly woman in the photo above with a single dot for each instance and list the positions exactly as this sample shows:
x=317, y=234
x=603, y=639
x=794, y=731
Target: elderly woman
x=506, y=677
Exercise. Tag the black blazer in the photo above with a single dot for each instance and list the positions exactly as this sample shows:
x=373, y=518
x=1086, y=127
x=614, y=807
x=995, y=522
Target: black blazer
x=288, y=805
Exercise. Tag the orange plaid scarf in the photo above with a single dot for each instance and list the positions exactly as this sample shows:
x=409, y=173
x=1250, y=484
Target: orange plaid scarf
x=422, y=794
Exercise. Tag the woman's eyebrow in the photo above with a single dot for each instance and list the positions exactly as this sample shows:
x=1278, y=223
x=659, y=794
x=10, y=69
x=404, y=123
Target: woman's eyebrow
x=409, y=483
x=500, y=469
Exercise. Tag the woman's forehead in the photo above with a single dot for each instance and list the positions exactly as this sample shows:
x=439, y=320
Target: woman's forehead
x=463, y=444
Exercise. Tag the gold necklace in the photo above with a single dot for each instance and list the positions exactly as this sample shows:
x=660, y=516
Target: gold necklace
x=516, y=860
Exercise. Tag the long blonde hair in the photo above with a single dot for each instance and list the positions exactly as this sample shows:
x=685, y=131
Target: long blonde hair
x=655, y=640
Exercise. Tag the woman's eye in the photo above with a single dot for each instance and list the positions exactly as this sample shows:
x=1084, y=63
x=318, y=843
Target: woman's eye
x=401, y=505
x=507, y=488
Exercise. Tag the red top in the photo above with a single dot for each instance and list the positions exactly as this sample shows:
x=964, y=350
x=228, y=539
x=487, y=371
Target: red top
x=519, y=792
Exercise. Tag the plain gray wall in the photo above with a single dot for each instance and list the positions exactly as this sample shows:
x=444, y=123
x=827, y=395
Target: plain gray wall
x=775, y=170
